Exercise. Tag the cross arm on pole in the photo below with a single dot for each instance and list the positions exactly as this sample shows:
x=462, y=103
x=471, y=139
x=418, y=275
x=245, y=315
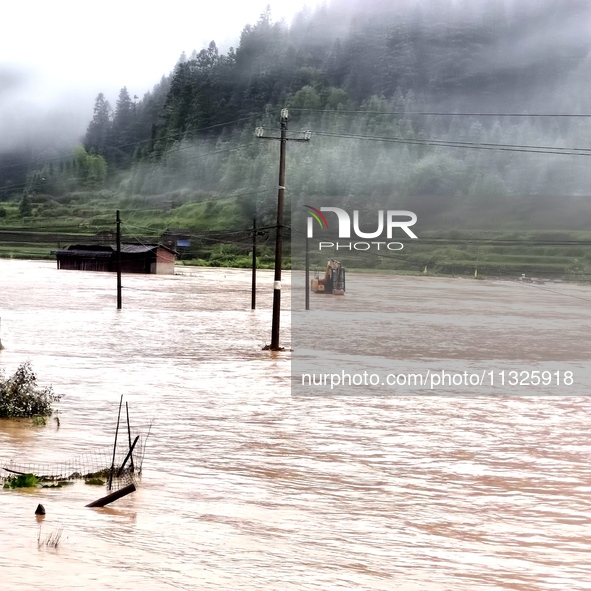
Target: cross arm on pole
x=260, y=133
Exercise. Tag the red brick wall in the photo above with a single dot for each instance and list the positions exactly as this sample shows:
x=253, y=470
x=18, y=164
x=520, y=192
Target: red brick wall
x=165, y=262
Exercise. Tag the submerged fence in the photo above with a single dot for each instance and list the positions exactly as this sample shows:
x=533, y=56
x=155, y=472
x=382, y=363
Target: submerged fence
x=95, y=465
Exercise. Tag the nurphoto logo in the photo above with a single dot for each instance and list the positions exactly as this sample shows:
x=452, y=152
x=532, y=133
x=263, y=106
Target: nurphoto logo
x=387, y=221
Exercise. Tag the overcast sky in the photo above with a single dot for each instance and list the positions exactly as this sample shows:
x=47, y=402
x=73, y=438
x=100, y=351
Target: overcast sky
x=55, y=57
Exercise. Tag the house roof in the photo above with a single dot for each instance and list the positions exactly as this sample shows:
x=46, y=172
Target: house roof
x=101, y=251
x=85, y=253
x=136, y=248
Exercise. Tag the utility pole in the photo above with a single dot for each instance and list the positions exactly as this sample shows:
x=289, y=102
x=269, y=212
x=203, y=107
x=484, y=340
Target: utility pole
x=253, y=297
x=118, y=261
x=307, y=272
x=255, y=233
x=259, y=132
x=279, y=240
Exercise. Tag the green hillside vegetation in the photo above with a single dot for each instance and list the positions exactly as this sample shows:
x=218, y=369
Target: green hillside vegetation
x=407, y=107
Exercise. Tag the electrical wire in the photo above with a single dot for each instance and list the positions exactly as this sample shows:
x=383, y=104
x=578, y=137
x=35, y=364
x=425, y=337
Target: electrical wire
x=556, y=292
x=254, y=115
x=371, y=254
x=432, y=240
x=439, y=113
x=212, y=200
x=14, y=187
x=414, y=264
x=466, y=145
x=119, y=146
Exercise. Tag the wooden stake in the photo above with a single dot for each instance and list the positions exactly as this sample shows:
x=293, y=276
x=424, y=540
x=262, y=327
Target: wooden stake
x=129, y=437
x=110, y=485
x=127, y=457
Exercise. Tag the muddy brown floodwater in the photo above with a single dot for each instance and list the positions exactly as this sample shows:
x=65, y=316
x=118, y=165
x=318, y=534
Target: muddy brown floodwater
x=246, y=487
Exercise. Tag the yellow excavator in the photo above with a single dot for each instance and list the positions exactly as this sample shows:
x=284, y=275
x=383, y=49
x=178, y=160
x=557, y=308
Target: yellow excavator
x=333, y=282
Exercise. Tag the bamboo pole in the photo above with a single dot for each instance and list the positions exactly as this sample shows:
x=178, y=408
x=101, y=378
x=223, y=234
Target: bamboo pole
x=127, y=457
x=129, y=438
x=110, y=485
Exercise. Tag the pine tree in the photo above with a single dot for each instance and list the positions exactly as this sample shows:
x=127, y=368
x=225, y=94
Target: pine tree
x=25, y=208
x=98, y=132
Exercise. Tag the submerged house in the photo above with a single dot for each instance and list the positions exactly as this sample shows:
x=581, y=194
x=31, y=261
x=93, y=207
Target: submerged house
x=135, y=258
x=177, y=239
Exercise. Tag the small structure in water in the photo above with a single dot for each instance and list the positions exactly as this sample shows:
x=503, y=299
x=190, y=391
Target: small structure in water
x=178, y=239
x=135, y=258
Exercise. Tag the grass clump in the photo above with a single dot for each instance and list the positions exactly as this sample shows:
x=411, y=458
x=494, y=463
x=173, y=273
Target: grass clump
x=94, y=481
x=53, y=540
x=101, y=474
x=21, y=397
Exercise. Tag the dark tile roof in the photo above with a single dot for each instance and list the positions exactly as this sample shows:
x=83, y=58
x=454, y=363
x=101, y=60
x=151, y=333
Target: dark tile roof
x=106, y=251
x=85, y=252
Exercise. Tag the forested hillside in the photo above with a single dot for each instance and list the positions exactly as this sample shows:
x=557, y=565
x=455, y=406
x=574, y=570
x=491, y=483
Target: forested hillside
x=438, y=105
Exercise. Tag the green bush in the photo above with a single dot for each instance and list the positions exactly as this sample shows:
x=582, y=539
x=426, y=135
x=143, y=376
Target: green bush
x=20, y=396
x=21, y=481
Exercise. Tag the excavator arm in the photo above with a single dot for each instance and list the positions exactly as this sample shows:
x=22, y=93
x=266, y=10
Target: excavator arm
x=334, y=279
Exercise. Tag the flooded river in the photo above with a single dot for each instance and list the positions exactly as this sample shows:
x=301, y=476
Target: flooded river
x=246, y=487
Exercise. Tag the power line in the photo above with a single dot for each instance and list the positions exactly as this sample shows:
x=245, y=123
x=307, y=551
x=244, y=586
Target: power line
x=414, y=264
x=212, y=200
x=171, y=152
x=338, y=111
x=149, y=164
x=207, y=128
x=486, y=241
x=137, y=143
x=366, y=253
x=440, y=113
x=557, y=292
x=430, y=240
x=466, y=145
x=198, y=235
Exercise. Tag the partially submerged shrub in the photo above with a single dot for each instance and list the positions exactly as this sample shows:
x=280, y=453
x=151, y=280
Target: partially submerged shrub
x=95, y=481
x=20, y=396
x=21, y=481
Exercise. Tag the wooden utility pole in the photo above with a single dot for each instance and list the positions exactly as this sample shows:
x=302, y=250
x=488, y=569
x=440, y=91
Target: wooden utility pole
x=307, y=272
x=253, y=297
x=279, y=240
x=118, y=262
x=274, y=346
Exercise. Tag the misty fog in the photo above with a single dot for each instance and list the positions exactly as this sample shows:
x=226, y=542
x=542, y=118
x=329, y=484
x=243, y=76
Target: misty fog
x=353, y=73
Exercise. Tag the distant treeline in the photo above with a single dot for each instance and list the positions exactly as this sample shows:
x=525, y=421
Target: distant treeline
x=356, y=74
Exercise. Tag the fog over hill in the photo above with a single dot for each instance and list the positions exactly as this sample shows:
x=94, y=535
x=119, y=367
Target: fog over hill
x=353, y=73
